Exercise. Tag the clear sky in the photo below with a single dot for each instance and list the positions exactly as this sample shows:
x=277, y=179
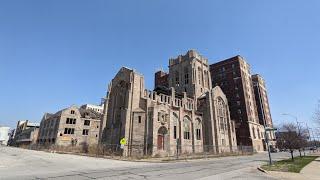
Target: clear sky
x=57, y=53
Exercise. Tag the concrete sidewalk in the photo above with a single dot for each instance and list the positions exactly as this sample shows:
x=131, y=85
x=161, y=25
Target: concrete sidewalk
x=310, y=172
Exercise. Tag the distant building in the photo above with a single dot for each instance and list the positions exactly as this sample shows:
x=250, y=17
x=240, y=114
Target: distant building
x=183, y=114
x=70, y=126
x=11, y=137
x=96, y=108
x=161, y=79
x=4, y=135
x=26, y=133
x=263, y=106
x=234, y=77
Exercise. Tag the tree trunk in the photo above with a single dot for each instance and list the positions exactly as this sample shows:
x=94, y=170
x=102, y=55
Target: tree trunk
x=292, y=155
x=300, y=153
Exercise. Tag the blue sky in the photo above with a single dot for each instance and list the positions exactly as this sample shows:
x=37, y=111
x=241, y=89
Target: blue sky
x=57, y=53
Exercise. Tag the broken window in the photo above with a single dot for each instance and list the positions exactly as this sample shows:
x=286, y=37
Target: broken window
x=68, y=130
x=85, y=132
x=71, y=121
x=87, y=122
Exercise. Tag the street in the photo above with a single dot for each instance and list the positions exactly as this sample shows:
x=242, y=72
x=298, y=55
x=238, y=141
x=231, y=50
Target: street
x=26, y=164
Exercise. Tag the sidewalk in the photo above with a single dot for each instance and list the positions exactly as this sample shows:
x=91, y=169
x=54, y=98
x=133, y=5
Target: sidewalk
x=310, y=172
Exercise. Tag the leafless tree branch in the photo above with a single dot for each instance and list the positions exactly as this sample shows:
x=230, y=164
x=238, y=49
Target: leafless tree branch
x=292, y=137
x=317, y=114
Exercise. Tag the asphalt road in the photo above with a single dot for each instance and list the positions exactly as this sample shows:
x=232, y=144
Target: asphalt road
x=18, y=163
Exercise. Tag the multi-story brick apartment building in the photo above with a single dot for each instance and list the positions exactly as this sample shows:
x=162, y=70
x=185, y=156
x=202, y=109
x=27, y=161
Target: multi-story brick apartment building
x=234, y=77
x=263, y=107
x=183, y=114
x=26, y=133
x=70, y=126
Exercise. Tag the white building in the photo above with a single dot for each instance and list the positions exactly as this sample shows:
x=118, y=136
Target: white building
x=96, y=108
x=4, y=135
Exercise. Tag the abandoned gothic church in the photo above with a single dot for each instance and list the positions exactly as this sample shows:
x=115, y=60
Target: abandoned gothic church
x=183, y=114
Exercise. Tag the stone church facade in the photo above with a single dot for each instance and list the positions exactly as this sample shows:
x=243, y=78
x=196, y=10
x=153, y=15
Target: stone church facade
x=183, y=114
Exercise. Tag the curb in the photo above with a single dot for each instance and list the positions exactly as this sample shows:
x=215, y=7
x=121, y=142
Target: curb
x=262, y=170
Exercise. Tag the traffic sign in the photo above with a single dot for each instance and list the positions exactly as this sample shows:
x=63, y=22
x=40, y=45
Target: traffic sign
x=271, y=129
x=123, y=141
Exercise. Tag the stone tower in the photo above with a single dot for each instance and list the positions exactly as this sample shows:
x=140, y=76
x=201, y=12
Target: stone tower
x=190, y=73
x=125, y=109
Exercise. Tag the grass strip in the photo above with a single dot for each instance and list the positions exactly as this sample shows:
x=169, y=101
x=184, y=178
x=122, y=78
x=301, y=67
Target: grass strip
x=290, y=166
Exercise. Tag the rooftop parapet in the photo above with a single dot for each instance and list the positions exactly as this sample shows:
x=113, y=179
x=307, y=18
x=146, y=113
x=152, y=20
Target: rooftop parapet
x=190, y=55
x=170, y=100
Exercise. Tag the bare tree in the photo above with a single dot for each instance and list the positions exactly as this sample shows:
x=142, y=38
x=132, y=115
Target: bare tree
x=317, y=114
x=292, y=137
x=303, y=136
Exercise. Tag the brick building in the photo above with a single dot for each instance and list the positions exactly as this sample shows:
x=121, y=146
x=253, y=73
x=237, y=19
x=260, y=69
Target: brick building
x=262, y=103
x=161, y=79
x=234, y=77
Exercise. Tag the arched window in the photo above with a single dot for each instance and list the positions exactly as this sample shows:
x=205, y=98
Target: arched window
x=205, y=78
x=199, y=75
x=186, y=76
x=186, y=127
x=197, y=127
x=177, y=78
x=175, y=121
x=222, y=116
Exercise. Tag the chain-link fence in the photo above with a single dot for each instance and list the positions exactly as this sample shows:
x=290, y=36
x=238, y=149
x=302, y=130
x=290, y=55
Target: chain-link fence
x=140, y=151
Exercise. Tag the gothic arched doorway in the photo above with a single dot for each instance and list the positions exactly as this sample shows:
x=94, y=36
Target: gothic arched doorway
x=162, y=132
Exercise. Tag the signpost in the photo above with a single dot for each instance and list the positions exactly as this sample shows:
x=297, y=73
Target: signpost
x=266, y=129
x=123, y=142
x=265, y=125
